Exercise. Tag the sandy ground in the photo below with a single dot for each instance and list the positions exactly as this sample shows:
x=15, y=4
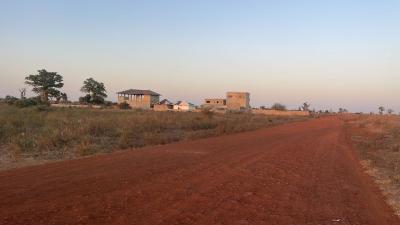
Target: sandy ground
x=300, y=173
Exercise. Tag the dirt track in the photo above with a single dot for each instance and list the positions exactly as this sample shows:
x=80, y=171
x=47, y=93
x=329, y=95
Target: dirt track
x=301, y=173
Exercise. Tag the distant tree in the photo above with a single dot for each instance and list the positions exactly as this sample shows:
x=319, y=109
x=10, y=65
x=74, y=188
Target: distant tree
x=22, y=92
x=305, y=106
x=96, y=91
x=390, y=111
x=278, y=106
x=262, y=107
x=381, y=109
x=64, y=97
x=45, y=83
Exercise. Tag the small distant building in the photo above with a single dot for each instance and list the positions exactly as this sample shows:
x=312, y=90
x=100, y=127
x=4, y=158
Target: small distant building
x=164, y=105
x=233, y=101
x=184, y=106
x=142, y=99
x=238, y=100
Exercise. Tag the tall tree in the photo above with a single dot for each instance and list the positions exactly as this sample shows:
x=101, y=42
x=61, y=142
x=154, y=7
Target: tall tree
x=45, y=83
x=95, y=91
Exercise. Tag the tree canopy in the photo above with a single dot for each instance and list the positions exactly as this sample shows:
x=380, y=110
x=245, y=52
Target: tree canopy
x=95, y=91
x=45, y=83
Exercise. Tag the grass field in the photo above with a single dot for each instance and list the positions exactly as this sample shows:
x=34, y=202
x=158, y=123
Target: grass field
x=32, y=135
x=377, y=139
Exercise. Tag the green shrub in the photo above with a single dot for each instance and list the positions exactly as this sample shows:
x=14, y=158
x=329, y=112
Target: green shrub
x=124, y=105
x=26, y=102
x=10, y=99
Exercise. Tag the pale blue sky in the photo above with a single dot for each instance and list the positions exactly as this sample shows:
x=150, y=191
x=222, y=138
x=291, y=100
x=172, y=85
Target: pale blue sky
x=330, y=53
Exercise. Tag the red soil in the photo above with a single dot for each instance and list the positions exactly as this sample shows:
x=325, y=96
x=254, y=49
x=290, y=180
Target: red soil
x=300, y=173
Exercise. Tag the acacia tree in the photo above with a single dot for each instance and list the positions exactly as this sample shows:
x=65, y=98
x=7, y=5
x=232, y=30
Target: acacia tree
x=45, y=84
x=305, y=106
x=390, y=111
x=95, y=91
x=381, y=110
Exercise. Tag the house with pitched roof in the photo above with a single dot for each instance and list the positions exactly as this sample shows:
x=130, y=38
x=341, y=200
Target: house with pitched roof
x=164, y=105
x=184, y=106
x=139, y=99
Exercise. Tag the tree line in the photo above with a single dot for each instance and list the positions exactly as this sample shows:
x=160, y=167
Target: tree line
x=47, y=85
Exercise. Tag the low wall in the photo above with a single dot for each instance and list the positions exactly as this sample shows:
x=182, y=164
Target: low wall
x=272, y=112
x=74, y=106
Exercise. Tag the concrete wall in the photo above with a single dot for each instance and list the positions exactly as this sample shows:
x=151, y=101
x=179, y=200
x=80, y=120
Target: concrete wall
x=272, y=112
x=238, y=100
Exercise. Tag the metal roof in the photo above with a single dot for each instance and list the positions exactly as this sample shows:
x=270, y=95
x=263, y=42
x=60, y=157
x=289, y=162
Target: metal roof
x=138, y=92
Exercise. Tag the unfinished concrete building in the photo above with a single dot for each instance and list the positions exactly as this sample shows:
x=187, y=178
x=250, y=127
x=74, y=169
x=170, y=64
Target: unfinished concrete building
x=142, y=99
x=233, y=101
x=164, y=105
x=238, y=100
x=214, y=102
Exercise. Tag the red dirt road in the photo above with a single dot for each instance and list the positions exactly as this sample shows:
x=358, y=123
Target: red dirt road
x=300, y=173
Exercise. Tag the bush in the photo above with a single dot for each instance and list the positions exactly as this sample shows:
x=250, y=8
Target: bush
x=124, y=105
x=26, y=102
x=278, y=106
x=207, y=112
x=10, y=99
x=85, y=99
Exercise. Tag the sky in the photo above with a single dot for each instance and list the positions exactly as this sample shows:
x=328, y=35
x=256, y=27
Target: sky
x=342, y=53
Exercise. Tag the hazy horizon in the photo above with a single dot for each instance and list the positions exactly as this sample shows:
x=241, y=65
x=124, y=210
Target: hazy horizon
x=330, y=54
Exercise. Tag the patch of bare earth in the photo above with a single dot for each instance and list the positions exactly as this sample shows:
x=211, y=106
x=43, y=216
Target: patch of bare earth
x=377, y=139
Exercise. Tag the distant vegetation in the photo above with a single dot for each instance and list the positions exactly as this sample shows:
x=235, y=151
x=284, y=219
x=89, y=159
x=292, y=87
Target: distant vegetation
x=62, y=133
x=278, y=106
x=46, y=85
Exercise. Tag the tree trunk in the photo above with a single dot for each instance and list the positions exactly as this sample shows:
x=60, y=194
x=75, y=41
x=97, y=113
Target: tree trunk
x=44, y=97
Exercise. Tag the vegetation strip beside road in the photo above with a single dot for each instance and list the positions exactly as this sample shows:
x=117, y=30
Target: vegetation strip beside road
x=34, y=134
x=377, y=140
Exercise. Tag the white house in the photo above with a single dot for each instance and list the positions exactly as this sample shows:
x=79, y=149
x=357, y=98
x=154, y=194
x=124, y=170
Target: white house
x=183, y=106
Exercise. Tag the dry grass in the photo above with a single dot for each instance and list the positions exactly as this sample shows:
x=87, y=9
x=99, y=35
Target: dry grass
x=378, y=142
x=33, y=135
